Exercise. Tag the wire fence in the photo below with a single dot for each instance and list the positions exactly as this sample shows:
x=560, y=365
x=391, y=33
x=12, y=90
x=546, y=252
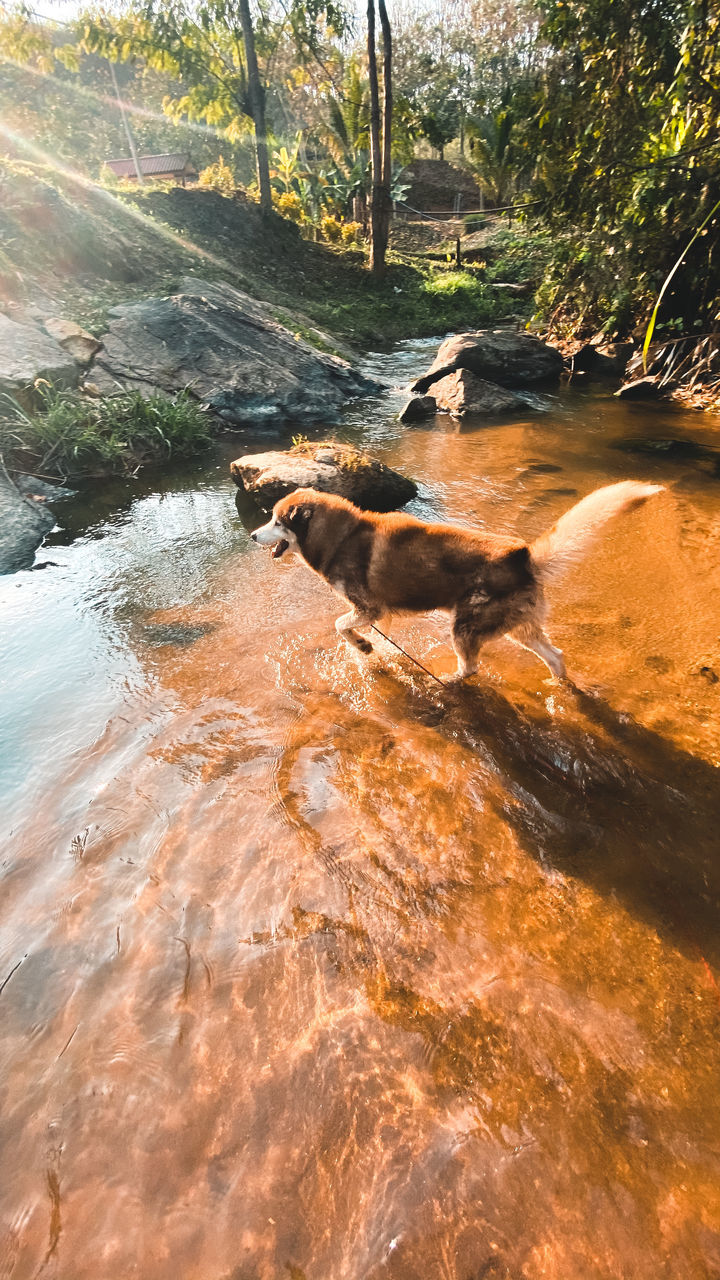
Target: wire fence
x=442, y=219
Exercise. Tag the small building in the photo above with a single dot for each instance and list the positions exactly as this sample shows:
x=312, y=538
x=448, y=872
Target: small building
x=174, y=167
x=438, y=187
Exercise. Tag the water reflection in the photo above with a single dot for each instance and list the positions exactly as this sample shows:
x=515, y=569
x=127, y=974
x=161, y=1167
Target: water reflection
x=313, y=968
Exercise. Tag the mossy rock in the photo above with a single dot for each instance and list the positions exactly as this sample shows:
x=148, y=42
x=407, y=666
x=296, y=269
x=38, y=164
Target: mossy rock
x=327, y=466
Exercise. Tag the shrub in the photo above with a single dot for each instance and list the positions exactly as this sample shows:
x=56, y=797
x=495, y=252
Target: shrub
x=108, y=178
x=473, y=222
x=519, y=255
x=288, y=205
x=452, y=282
x=351, y=232
x=331, y=228
x=219, y=177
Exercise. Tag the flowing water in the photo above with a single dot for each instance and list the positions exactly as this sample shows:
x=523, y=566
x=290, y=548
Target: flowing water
x=311, y=968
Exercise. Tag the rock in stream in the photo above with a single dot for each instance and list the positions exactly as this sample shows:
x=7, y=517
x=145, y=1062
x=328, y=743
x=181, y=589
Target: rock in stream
x=23, y=525
x=496, y=355
x=328, y=467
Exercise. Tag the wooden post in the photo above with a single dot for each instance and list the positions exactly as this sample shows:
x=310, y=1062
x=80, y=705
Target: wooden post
x=458, y=253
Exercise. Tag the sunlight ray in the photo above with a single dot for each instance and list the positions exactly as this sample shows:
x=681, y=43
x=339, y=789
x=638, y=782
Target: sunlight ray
x=116, y=104
x=43, y=157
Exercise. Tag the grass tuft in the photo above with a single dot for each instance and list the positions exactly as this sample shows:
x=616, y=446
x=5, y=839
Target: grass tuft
x=72, y=436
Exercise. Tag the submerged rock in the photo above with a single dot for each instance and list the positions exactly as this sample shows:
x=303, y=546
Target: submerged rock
x=179, y=634
x=498, y=355
x=23, y=525
x=33, y=487
x=673, y=449
x=328, y=467
x=224, y=348
x=463, y=392
x=28, y=353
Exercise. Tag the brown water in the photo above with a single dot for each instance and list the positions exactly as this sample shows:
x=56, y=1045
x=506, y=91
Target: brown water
x=310, y=968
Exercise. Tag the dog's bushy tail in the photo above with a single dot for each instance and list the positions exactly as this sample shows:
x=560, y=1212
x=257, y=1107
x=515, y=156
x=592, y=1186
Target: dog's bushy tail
x=560, y=546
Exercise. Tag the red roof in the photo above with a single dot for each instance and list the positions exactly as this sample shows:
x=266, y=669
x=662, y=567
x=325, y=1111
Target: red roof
x=174, y=162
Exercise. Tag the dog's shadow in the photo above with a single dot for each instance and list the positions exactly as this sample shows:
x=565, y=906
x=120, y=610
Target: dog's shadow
x=595, y=795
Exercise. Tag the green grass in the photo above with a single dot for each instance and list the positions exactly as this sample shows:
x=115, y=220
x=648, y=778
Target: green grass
x=414, y=301
x=72, y=436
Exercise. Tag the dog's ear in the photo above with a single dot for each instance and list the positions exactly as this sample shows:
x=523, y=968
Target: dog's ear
x=298, y=518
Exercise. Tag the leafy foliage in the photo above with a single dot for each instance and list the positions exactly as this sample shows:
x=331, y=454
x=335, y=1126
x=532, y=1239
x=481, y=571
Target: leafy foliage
x=626, y=132
x=51, y=112
x=219, y=177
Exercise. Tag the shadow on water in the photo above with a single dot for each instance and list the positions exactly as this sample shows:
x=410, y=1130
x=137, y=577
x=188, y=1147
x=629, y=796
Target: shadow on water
x=614, y=803
x=589, y=793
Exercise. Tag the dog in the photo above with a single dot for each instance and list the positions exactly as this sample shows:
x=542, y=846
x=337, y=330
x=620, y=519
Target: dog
x=491, y=585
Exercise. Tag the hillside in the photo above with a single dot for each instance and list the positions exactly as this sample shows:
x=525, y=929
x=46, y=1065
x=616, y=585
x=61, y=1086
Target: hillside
x=70, y=247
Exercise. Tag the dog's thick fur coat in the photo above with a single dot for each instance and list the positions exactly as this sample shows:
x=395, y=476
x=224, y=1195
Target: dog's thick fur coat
x=490, y=584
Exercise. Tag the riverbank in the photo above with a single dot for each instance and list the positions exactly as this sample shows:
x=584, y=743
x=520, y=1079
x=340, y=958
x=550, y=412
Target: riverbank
x=72, y=251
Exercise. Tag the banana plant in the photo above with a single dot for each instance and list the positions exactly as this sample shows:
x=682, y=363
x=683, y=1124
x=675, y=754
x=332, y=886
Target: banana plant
x=288, y=168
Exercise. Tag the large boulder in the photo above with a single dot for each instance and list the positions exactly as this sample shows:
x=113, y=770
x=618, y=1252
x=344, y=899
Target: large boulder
x=28, y=353
x=497, y=355
x=329, y=467
x=23, y=525
x=463, y=392
x=224, y=348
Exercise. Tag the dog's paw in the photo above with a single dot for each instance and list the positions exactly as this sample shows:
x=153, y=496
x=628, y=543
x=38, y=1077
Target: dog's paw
x=461, y=675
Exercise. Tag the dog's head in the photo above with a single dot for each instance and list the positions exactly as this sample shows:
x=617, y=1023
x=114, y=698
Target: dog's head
x=288, y=525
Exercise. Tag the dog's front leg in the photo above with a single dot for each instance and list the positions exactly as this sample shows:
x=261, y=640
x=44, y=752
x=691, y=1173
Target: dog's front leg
x=344, y=627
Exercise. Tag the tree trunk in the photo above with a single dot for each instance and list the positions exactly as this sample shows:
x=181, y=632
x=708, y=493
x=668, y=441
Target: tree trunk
x=377, y=259
x=386, y=208
x=380, y=157
x=256, y=96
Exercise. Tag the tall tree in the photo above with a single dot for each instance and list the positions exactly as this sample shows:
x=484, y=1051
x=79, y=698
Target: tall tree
x=626, y=129
x=256, y=103
x=380, y=141
x=212, y=49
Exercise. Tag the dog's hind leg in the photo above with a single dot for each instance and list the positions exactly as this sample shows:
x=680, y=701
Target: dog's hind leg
x=531, y=636
x=468, y=634
x=345, y=628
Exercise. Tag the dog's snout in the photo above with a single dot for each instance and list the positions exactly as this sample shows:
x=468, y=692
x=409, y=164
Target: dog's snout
x=253, y=535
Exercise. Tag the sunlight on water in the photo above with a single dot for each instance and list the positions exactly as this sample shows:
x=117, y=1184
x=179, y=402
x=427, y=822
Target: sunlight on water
x=312, y=968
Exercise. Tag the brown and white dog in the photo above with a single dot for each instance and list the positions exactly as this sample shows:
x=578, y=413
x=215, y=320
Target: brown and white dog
x=490, y=585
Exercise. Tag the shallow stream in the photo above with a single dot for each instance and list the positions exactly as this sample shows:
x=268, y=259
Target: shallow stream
x=310, y=968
